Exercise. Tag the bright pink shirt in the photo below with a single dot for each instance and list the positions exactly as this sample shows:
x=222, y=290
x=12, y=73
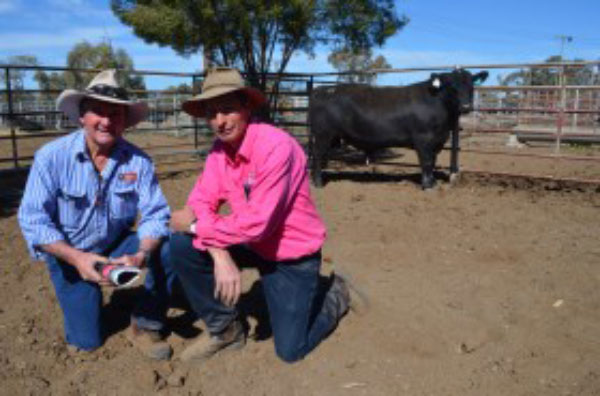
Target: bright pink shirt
x=266, y=186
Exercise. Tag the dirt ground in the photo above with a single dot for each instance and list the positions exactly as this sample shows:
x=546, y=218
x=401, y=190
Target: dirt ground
x=489, y=286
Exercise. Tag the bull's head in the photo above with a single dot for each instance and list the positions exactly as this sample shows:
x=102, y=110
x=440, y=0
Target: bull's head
x=457, y=87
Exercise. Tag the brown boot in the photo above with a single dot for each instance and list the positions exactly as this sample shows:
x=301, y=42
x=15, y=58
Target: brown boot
x=205, y=347
x=149, y=342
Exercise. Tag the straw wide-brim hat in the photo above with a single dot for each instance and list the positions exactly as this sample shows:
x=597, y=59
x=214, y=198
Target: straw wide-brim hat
x=105, y=88
x=218, y=82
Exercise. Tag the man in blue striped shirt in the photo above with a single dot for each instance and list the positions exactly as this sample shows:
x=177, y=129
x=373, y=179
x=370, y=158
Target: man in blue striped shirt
x=82, y=199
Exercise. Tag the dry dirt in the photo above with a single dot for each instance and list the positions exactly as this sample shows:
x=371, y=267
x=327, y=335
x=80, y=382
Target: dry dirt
x=486, y=287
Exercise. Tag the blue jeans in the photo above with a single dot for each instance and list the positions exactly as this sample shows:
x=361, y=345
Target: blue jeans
x=81, y=301
x=300, y=318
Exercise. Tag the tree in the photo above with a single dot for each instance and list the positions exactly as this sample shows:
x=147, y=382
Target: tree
x=50, y=82
x=357, y=64
x=89, y=56
x=17, y=76
x=248, y=33
x=182, y=88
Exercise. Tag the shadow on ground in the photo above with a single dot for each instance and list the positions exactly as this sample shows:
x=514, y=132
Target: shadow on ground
x=252, y=304
x=376, y=177
x=12, y=184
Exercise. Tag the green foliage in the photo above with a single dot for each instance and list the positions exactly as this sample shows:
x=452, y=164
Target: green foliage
x=249, y=33
x=182, y=88
x=17, y=76
x=89, y=56
x=585, y=75
x=357, y=64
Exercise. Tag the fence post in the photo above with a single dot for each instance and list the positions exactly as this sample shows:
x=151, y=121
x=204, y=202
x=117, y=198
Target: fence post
x=156, y=111
x=175, y=114
x=454, y=148
x=561, y=108
x=194, y=118
x=575, y=119
x=477, y=103
x=309, y=88
x=11, y=118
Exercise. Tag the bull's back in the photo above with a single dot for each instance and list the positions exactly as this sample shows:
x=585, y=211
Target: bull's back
x=374, y=117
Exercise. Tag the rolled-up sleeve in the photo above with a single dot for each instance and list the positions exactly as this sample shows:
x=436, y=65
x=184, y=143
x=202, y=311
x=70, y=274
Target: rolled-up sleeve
x=153, y=207
x=206, y=196
x=37, y=211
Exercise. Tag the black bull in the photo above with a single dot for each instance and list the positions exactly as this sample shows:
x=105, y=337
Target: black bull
x=419, y=116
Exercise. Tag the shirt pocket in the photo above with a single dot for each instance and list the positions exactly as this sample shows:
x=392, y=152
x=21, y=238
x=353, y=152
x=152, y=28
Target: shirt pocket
x=72, y=205
x=124, y=202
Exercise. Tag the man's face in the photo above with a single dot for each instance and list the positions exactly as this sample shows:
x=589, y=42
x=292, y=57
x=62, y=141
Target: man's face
x=228, y=118
x=103, y=123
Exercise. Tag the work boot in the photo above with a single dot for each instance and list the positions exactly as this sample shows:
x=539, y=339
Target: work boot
x=232, y=338
x=349, y=296
x=339, y=295
x=73, y=350
x=149, y=342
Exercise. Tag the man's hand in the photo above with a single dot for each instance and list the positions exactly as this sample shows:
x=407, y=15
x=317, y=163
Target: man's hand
x=84, y=263
x=228, y=279
x=182, y=219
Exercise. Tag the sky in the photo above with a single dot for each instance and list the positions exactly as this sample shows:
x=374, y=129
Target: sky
x=440, y=32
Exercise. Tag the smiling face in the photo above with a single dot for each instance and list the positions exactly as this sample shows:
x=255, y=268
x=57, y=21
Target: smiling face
x=228, y=117
x=103, y=123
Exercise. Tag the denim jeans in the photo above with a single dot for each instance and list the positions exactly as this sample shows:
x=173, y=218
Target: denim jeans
x=300, y=319
x=81, y=301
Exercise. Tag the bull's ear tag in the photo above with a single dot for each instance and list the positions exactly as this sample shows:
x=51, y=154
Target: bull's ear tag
x=436, y=83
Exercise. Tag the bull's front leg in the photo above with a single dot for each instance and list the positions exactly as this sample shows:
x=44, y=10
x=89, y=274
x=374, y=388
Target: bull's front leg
x=427, y=162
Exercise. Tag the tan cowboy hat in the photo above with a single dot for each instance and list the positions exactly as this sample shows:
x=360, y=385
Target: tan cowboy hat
x=220, y=81
x=104, y=87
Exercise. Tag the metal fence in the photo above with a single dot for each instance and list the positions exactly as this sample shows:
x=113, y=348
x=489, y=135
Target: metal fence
x=558, y=114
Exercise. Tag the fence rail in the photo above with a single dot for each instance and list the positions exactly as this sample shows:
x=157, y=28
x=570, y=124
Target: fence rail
x=559, y=113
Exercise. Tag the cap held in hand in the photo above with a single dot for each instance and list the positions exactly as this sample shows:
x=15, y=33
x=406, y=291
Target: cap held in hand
x=118, y=275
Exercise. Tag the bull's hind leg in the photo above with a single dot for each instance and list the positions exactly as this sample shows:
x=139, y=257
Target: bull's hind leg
x=321, y=146
x=318, y=161
x=316, y=171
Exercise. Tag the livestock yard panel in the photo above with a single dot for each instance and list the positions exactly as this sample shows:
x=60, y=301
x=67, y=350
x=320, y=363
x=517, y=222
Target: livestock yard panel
x=559, y=121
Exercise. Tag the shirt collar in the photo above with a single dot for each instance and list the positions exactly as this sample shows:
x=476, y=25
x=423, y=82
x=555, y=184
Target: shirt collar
x=79, y=149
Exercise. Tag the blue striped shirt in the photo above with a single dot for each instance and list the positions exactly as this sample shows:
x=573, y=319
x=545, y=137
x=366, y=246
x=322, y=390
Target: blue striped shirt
x=66, y=199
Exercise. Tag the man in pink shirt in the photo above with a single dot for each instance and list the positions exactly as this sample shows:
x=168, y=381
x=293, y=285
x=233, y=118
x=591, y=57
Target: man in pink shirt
x=259, y=171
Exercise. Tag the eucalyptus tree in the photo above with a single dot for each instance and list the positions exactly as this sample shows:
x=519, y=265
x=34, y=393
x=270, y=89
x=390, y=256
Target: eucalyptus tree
x=356, y=65
x=85, y=55
x=260, y=36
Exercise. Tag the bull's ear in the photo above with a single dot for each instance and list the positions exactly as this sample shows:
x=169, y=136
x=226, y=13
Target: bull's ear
x=480, y=77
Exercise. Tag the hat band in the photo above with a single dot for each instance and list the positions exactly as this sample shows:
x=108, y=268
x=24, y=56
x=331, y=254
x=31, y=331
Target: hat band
x=232, y=86
x=109, y=91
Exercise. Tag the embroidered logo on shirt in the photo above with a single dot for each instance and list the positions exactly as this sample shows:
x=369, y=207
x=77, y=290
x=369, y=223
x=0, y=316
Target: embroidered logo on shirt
x=128, y=177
